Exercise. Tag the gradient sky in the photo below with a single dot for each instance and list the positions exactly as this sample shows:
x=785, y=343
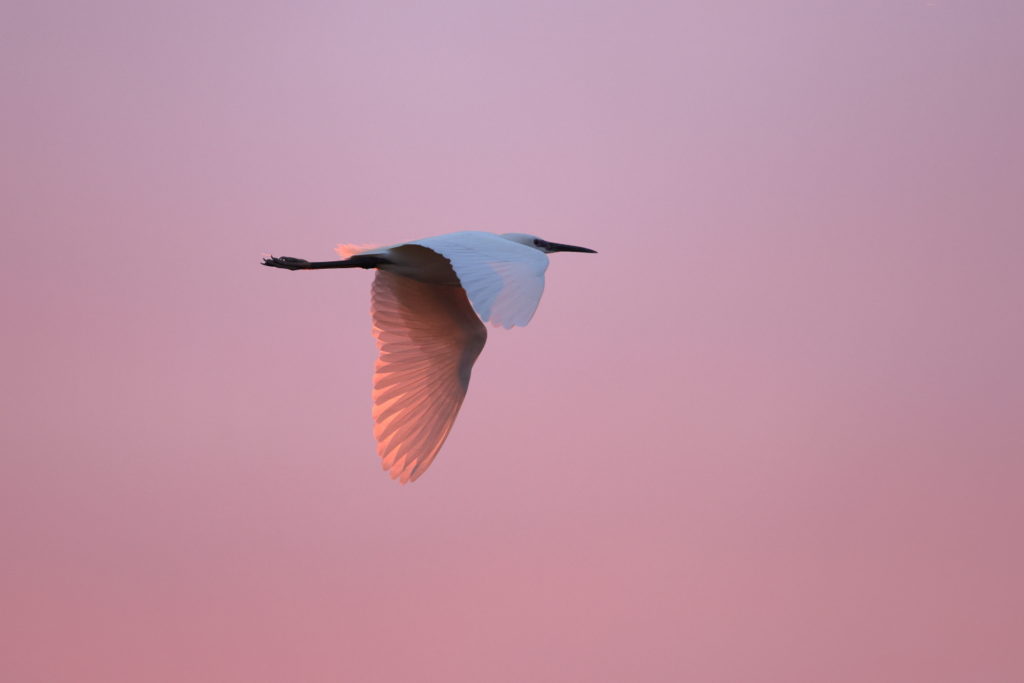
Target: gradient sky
x=772, y=432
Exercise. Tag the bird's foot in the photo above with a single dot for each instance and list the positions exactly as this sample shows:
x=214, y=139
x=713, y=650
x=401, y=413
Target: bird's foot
x=286, y=262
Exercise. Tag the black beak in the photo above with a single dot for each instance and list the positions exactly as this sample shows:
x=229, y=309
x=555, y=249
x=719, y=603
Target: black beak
x=555, y=246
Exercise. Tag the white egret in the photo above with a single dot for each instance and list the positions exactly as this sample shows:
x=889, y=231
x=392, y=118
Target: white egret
x=429, y=301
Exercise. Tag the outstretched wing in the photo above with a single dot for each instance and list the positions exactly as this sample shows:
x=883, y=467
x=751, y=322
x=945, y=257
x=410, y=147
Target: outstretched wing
x=428, y=337
x=503, y=279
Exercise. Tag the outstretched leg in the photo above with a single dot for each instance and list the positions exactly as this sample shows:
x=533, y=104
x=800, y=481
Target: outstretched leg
x=357, y=261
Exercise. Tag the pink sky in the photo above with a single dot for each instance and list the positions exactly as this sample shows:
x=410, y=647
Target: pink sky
x=772, y=432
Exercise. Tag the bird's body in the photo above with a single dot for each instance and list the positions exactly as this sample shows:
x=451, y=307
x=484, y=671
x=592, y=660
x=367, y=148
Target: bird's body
x=430, y=299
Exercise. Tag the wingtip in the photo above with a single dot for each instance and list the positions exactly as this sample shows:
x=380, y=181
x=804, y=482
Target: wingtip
x=398, y=471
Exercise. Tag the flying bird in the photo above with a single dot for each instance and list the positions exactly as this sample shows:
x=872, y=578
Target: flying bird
x=429, y=302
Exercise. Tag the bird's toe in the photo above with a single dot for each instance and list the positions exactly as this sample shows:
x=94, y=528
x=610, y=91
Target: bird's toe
x=287, y=262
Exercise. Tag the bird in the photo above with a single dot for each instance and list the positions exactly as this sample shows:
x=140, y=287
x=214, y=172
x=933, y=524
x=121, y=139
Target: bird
x=429, y=301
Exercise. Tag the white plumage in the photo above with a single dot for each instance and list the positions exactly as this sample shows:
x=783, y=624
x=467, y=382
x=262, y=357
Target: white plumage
x=504, y=279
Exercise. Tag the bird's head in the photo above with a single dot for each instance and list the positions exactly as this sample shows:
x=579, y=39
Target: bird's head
x=543, y=245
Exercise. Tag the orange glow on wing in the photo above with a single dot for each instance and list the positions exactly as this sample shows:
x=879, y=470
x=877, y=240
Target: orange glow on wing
x=350, y=250
x=429, y=337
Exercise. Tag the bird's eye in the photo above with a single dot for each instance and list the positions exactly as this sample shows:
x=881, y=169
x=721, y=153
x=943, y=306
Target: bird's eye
x=539, y=243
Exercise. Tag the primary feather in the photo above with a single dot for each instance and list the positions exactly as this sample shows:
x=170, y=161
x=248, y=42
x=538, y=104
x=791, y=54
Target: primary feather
x=428, y=337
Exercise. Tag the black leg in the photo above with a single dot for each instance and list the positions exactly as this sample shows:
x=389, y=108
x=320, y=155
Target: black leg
x=357, y=261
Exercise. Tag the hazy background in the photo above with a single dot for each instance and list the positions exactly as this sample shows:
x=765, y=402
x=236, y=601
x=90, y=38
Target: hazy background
x=771, y=433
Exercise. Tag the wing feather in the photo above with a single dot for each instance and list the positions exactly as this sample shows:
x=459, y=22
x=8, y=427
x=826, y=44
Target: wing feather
x=503, y=279
x=428, y=337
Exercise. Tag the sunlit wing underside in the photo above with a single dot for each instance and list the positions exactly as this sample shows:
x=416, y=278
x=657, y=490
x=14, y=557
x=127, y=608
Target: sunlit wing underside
x=429, y=337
